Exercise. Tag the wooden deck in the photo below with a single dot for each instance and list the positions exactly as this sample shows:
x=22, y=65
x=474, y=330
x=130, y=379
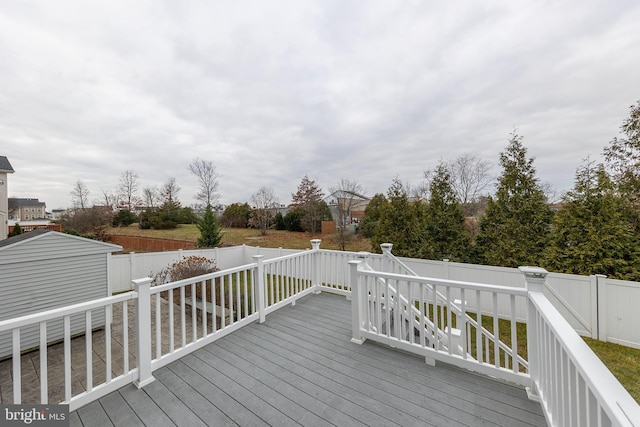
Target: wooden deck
x=300, y=368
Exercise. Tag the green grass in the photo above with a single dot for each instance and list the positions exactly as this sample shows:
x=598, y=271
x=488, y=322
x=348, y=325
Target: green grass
x=622, y=361
x=248, y=236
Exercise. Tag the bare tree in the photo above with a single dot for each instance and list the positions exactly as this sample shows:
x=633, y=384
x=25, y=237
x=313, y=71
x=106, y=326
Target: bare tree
x=169, y=191
x=346, y=195
x=80, y=195
x=151, y=196
x=553, y=196
x=108, y=199
x=263, y=203
x=127, y=189
x=207, y=176
x=469, y=177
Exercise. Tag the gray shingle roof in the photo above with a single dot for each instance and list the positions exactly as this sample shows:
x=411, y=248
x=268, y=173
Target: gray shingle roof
x=17, y=202
x=5, y=166
x=23, y=236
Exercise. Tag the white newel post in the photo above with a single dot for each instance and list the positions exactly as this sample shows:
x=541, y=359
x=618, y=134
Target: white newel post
x=386, y=251
x=356, y=309
x=534, y=281
x=315, y=274
x=259, y=286
x=143, y=331
x=364, y=256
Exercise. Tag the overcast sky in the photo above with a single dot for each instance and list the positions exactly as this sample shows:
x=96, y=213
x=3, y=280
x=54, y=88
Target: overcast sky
x=271, y=91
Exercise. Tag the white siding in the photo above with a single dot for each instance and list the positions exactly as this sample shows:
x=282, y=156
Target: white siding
x=49, y=271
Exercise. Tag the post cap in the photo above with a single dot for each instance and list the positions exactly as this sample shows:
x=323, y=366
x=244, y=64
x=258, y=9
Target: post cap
x=534, y=272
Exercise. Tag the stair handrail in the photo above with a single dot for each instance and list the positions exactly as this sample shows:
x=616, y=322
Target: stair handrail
x=386, y=251
x=432, y=329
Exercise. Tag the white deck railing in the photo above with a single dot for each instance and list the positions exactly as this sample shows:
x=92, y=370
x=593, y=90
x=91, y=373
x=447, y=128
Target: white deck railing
x=155, y=326
x=471, y=325
x=573, y=385
x=410, y=313
x=407, y=312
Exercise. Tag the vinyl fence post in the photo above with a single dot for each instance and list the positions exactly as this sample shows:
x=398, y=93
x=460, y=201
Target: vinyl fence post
x=601, y=306
x=259, y=288
x=132, y=268
x=143, y=331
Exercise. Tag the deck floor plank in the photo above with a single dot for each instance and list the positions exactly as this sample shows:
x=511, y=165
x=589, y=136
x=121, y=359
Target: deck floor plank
x=274, y=390
x=300, y=368
x=446, y=391
x=94, y=414
x=119, y=412
x=404, y=388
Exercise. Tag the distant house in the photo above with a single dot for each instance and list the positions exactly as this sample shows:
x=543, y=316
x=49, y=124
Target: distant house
x=57, y=214
x=26, y=209
x=351, y=204
x=42, y=270
x=5, y=169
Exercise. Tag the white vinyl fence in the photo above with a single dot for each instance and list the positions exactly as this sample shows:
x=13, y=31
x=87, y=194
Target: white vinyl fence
x=595, y=306
x=127, y=267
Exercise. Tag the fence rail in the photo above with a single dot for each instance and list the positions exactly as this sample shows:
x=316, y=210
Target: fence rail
x=595, y=306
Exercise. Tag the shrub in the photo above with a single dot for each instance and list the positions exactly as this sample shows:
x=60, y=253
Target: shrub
x=16, y=230
x=293, y=220
x=279, y=222
x=187, y=267
x=124, y=218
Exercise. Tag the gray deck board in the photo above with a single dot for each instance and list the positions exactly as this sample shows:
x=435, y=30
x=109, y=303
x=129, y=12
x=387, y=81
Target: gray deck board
x=119, y=412
x=300, y=368
x=447, y=392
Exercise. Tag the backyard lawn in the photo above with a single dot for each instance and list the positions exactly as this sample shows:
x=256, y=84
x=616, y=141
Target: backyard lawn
x=248, y=236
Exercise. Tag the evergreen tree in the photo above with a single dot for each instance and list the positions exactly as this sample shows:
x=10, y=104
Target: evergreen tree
x=515, y=226
x=236, y=215
x=591, y=234
x=623, y=161
x=17, y=230
x=210, y=230
x=447, y=233
x=623, y=155
x=166, y=216
x=401, y=223
x=371, y=217
x=293, y=220
x=278, y=221
x=124, y=218
x=308, y=199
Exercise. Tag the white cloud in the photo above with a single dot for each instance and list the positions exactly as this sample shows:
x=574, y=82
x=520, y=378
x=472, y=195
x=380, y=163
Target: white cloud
x=271, y=91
